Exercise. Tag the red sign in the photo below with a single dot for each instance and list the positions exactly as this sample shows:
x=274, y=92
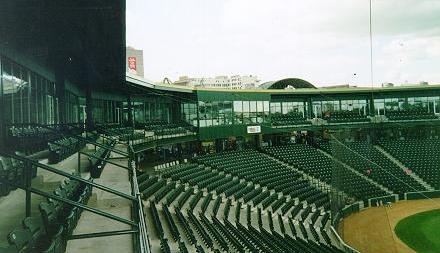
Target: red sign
x=132, y=63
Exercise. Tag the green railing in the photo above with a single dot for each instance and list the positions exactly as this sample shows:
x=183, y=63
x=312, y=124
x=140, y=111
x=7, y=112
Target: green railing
x=422, y=195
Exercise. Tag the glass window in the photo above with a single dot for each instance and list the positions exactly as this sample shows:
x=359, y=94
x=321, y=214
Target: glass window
x=227, y=111
x=275, y=108
x=238, y=112
x=246, y=108
x=215, y=113
x=379, y=105
x=317, y=109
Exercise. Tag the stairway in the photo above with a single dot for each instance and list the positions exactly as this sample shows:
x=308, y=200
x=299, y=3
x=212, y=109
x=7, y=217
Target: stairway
x=404, y=168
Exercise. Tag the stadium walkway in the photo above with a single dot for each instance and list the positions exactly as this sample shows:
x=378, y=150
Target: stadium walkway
x=116, y=178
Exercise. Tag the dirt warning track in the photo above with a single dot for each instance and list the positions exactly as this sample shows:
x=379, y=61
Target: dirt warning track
x=372, y=230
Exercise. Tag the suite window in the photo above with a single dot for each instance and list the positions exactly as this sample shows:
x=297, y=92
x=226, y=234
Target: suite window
x=238, y=112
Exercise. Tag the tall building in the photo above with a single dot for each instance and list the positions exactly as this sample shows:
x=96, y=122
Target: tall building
x=134, y=61
x=235, y=82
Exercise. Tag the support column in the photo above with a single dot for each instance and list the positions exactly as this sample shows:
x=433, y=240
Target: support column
x=61, y=91
x=89, y=109
x=28, y=185
x=372, y=108
x=2, y=108
x=176, y=111
x=309, y=108
x=130, y=122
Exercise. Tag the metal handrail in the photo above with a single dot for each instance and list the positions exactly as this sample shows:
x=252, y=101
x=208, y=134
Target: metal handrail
x=144, y=242
x=68, y=175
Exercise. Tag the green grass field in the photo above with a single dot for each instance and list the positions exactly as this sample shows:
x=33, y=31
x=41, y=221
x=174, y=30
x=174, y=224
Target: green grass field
x=421, y=231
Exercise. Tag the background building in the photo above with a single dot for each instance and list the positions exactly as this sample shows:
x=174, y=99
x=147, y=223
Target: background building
x=134, y=61
x=233, y=82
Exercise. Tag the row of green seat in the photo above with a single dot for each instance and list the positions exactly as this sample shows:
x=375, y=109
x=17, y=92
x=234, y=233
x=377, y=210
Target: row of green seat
x=215, y=235
x=218, y=236
x=256, y=168
x=33, y=138
x=133, y=135
x=420, y=156
x=203, y=177
x=115, y=130
x=12, y=174
x=289, y=119
x=98, y=160
x=411, y=114
x=50, y=232
x=345, y=116
x=316, y=164
x=63, y=148
x=198, y=175
x=368, y=160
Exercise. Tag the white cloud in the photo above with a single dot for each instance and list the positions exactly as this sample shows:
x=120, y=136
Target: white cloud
x=323, y=41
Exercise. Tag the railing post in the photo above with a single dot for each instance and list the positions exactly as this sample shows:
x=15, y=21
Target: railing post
x=27, y=176
x=79, y=162
x=141, y=243
x=135, y=207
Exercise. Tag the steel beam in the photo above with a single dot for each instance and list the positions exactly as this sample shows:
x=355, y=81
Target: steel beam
x=102, y=234
x=102, y=159
x=82, y=206
x=70, y=176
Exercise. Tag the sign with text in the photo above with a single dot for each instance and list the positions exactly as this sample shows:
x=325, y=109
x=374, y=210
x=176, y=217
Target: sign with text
x=132, y=63
x=254, y=129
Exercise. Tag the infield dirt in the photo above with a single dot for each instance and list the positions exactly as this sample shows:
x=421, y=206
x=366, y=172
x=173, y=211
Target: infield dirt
x=372, y=230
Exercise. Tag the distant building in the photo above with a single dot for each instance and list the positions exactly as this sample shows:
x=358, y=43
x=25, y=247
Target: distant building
x=134, y=61
x=235, y=82
x=387, y=84
x=339, y=86
x=422, y=83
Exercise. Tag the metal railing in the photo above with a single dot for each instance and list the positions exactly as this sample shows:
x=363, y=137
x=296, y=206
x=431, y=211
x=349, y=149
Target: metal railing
x=139, y=228
x=144, y=242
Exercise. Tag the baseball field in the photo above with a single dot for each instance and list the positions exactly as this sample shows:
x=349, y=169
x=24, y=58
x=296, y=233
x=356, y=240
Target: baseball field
x=421, y=231
x=405, y=227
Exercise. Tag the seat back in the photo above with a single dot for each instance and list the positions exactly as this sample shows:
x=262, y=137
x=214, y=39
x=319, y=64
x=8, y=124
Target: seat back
x=35, y=226
x=49, y=216
x=50, y=248
x=9, y=249
x=21, y=239
x=6, y=161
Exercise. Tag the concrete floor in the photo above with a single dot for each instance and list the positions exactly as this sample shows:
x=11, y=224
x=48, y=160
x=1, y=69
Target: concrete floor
x=116, y=178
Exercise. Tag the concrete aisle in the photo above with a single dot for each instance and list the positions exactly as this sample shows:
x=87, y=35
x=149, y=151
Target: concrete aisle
x=116, y=178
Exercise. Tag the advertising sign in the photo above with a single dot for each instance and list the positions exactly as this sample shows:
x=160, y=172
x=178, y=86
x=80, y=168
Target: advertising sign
x=254, y=129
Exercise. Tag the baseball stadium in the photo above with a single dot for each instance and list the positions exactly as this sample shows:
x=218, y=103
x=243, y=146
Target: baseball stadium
x=96, y=159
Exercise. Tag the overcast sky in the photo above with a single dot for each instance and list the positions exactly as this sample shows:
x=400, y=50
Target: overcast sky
x=323, y=41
